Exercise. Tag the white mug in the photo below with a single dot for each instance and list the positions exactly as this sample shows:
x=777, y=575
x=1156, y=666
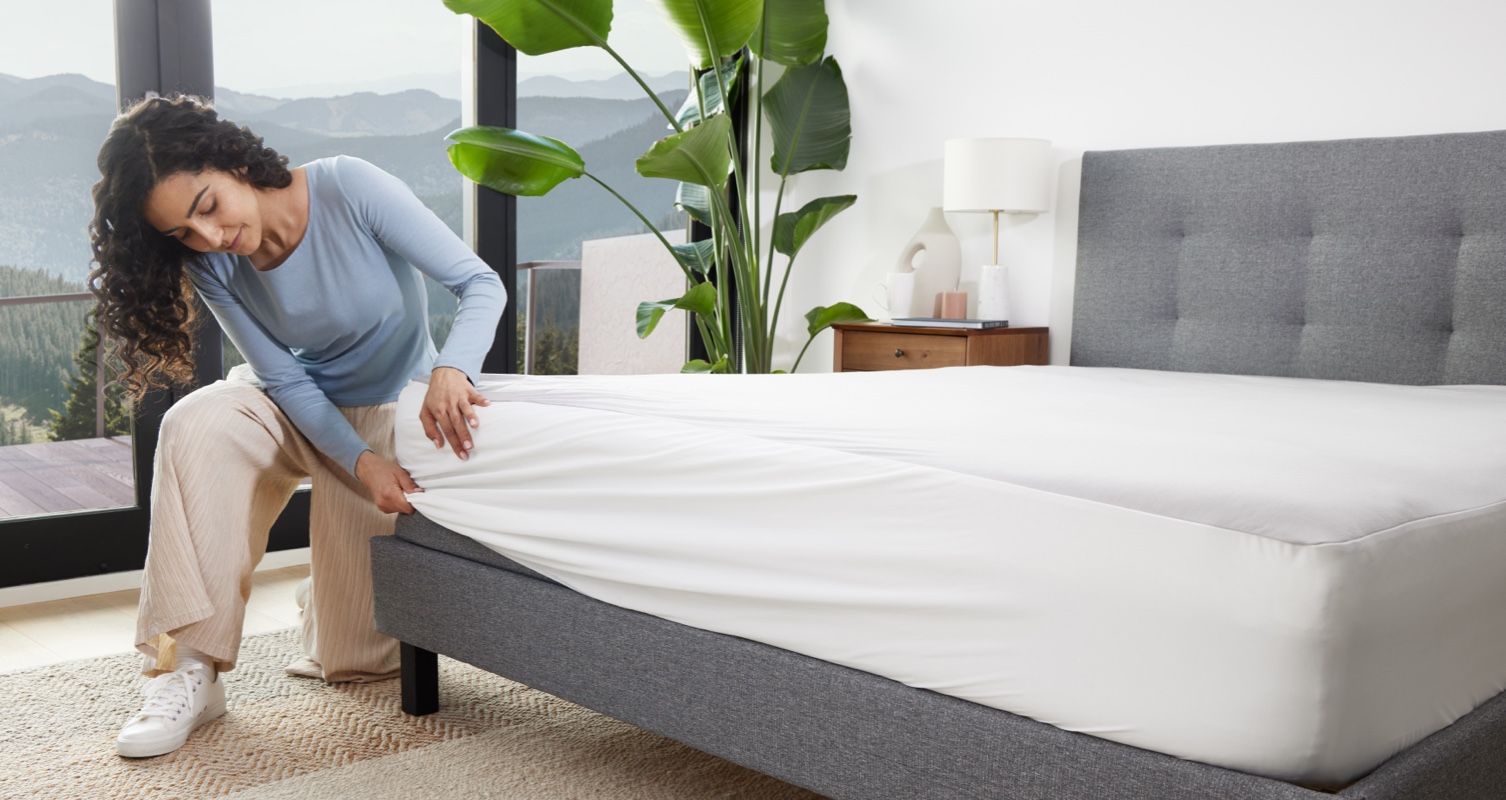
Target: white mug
x=898, y=298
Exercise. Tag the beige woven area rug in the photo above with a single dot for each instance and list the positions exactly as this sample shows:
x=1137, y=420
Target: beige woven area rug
x=289, y=737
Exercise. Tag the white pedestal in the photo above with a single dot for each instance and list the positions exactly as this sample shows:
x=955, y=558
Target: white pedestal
x=993, y=292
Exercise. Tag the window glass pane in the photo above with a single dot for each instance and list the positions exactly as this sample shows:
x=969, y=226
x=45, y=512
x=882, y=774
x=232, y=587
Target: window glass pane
x=58, y=453
x=585, y=260
x=348, y=92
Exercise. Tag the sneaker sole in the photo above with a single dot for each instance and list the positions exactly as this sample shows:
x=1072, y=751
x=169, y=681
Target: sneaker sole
x=137, y=748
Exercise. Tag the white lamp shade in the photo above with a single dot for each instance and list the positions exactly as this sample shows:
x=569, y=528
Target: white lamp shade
x=993, y=174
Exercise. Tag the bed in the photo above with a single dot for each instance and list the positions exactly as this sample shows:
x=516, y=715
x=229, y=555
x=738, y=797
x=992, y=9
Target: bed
x=1314, y=283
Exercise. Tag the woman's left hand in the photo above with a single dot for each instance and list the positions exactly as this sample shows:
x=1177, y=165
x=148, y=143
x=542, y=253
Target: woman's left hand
x=448, y=411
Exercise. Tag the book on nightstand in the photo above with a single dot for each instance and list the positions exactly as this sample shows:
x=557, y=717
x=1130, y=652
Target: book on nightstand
x=938, y=322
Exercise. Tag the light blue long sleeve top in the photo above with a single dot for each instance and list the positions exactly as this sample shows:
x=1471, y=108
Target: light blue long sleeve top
x=343, y=320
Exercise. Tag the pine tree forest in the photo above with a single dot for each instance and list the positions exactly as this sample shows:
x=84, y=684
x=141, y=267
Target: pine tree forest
x=41, y=345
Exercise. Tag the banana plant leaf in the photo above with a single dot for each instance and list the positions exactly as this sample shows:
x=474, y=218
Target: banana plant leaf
x=690, y=111
x=513, y=161
x=793, y=228
x=701, y=299
x=699, y=155
x=692, y=198
x=536, y=27
x=701, y=365
x=793, y=32
x=809, y=118
x=698, y=257
x=713, y=29
x=822, y=317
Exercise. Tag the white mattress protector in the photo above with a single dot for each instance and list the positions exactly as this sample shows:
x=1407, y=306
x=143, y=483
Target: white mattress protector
x=1290, y=577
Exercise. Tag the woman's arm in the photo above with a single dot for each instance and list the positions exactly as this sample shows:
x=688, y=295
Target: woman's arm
x=283, y=378
x=288, y=384
x=401, y=222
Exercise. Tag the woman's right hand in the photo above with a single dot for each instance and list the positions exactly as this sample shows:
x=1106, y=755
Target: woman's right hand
x=386, y=482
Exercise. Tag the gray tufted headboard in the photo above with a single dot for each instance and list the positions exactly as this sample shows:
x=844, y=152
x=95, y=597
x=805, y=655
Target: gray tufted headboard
x=1360, y=259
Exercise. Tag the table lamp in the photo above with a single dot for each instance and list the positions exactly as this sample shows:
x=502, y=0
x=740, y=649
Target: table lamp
x=1001, y=176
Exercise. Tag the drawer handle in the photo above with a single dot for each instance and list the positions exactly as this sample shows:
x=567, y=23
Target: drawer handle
x=898, y=353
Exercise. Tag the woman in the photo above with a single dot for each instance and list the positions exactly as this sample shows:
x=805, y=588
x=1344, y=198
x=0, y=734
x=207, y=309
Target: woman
x=311, y=272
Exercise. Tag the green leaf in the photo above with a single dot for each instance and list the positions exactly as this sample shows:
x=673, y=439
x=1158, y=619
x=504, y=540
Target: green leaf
x=713, y=29
x=693, y=199
x=793, y=228
x=649, y=314
x=690, y=112
x=512, y=161
x=700, y=365
x=699, y=155
x=537, y=27
x=809, y=119
x=822, y=317
x=701, y=299
x=793, y=32
x=698, y=257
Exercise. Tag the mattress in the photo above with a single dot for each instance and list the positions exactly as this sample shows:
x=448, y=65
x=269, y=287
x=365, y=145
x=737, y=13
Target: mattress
x=1294, y=578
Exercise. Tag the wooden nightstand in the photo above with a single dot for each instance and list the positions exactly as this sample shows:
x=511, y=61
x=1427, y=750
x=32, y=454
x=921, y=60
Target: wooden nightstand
x=876, y=345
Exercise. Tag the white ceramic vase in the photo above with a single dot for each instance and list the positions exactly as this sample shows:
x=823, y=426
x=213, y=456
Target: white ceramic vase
x=937, y=271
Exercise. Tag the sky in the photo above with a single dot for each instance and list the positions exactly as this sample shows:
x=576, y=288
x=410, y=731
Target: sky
x=284, y=48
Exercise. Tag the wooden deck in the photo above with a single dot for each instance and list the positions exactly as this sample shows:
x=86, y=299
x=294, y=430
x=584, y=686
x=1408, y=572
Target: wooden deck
x=52, y=477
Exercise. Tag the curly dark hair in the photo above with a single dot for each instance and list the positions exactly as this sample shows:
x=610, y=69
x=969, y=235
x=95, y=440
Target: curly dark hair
x=146, y=304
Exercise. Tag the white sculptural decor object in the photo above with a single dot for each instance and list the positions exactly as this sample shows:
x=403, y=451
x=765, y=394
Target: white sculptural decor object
x=1000, y=176
x=939, y=269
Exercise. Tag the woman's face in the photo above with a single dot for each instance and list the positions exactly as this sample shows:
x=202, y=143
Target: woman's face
x=209, y=211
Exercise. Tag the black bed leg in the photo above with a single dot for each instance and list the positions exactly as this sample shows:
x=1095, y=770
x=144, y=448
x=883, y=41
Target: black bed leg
x=420, y=680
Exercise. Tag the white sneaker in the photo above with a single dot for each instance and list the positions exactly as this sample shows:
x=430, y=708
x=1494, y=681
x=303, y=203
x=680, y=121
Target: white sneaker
x=176, y=703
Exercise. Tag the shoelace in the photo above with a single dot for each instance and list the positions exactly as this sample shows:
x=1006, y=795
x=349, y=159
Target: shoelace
x=168, y=694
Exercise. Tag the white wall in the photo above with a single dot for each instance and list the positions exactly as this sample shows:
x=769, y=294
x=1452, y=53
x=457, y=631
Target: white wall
x=1105, y=74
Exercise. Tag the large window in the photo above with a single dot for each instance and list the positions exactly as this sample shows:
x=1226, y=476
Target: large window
x=387, y=89
x=584, y=260
x=65, y=444
x=380, y=80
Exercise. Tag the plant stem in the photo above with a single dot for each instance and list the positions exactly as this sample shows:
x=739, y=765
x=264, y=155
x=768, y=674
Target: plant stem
x=721, y=86
x=783, y=177
x=780, y=302
x=802, y=354
x=757, y=169
x=746, y=272
x=722, y=217
x=778, y=204
x=756, y=97
x=733, y=248
x=700, y=97
x=708, y=335
x=639, y=214
x=719, y=255
x=751, y=325
x=585, y=30
x=654, y=97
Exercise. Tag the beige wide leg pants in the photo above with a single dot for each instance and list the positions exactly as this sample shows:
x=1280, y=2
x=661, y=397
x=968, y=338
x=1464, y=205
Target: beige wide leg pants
x=227, y=462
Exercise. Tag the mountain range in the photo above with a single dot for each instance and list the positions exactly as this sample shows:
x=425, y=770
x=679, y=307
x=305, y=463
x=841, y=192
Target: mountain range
x=51, y=128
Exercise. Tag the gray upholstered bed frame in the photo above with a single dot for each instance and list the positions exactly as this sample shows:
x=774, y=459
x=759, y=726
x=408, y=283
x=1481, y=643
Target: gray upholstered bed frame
x=1377, y=259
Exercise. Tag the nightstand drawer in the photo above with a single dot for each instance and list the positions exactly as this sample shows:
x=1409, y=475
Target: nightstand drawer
x=883, y=350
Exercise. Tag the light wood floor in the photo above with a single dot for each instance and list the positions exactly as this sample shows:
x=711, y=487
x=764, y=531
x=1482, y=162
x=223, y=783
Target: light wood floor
x=84, y=627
